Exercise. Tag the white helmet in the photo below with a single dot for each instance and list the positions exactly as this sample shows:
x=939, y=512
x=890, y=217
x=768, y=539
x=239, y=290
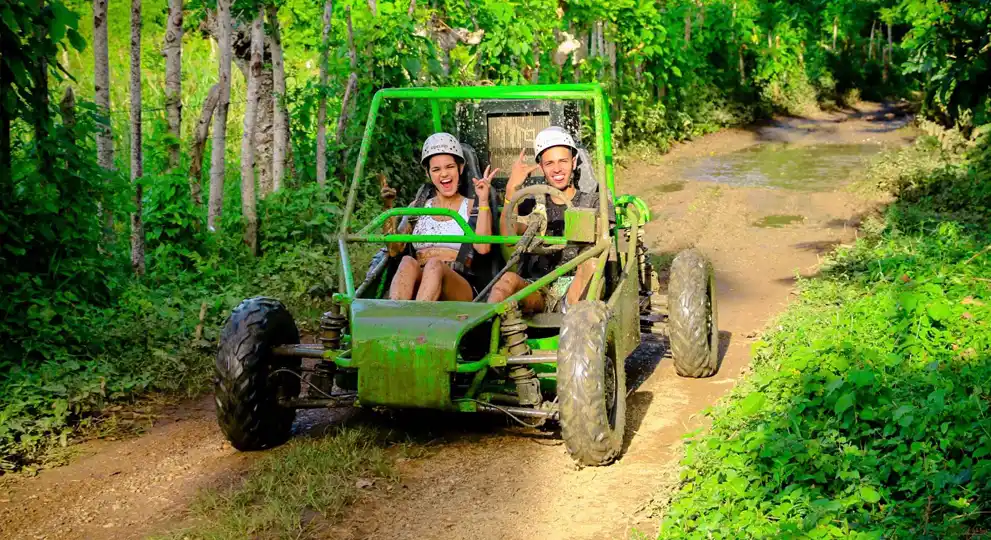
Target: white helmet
x=441, y=143
x=551, y=137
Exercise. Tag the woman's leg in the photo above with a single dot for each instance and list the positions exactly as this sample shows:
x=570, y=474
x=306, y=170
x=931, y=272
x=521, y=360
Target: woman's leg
x=511, y=283
x=440, y=282
x=407, y=277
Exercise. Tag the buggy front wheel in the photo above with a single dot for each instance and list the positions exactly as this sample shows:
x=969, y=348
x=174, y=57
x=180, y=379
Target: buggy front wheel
x=591, y=387
x=249, y=383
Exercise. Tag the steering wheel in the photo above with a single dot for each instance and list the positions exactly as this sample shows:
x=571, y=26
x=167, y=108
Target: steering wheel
x=512, y=216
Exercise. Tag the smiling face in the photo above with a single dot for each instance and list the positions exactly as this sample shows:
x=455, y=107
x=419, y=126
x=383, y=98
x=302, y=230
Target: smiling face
x=557, y=164
x=444, y=172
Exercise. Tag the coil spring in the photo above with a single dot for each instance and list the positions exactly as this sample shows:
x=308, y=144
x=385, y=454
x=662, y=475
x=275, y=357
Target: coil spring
x=331, y=328
x=513, y=330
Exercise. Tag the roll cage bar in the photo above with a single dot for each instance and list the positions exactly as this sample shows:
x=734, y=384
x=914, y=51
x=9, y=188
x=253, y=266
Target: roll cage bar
x=604, y=165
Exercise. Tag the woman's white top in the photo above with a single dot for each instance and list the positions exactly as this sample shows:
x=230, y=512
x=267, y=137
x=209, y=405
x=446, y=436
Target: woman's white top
x=429, y=225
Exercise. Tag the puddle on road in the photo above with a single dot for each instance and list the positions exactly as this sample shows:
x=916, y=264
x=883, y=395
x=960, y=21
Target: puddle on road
x=669, y=187
x=778, y=220
x=818, y=167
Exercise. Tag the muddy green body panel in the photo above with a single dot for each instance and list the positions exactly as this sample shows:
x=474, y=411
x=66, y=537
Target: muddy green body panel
x=406, y=351
x=579, y=224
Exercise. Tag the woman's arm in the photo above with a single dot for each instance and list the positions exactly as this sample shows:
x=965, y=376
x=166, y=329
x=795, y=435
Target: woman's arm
x=483, y=225
x=388, y=195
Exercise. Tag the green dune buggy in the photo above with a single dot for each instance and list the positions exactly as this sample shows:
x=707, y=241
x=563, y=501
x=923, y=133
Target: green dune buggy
x=476, y=357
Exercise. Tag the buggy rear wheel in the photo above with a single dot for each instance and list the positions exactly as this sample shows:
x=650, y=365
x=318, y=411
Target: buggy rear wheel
x=591, y=387
x=692, y=319
x=247, y=388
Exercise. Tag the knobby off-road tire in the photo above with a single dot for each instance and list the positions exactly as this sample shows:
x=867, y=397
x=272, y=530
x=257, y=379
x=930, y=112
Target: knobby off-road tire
x=692, y=317
x=591, y=387
x=247, y=393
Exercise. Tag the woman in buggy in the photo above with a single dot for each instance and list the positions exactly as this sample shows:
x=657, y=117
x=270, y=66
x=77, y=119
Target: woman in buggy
x=431, y=273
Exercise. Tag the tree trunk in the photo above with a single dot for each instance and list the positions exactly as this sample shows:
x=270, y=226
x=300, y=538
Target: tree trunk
x=67, y=108
x=352, y=86
x=870, y=47
x=104, y=137
x=39, y=102
x=173, y=78
x=248, y=199
x=535, y=73
x=281, y=118
x=611, y=55
x=743, y=74
x=688, y=26
x=137, y=171
x=349, y=93
x=836, y=22
x=199, y=143
x=372, y=5
x=264, y=132
x=217, y=163
x=887, y=55
x=101, y=87
x=412, y=8
x=328, y=8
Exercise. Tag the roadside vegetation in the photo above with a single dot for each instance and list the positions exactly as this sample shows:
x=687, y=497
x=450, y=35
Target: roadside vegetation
x=296, y=491
x=867, y=413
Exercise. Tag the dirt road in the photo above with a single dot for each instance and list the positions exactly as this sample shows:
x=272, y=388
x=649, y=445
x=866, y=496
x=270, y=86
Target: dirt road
x=743, y=199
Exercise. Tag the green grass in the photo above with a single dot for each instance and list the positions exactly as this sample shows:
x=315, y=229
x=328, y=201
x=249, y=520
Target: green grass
x=868, y=411
x=294, y=490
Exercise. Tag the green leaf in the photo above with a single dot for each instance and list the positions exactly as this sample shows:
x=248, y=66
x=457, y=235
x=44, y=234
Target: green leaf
x=869, y=494
x=676, y=71
x=908, y=301
x=844, y=403
x=862, y=377
x=752, y=404
x=76, y=40
x=938, y=311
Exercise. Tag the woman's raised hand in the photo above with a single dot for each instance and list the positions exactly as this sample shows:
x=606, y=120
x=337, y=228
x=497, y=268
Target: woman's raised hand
x=387, y=193
x=482, y=186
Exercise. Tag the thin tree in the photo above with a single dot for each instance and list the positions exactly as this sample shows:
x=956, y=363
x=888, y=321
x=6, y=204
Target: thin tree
x=137, y=227
x=199, y=143
x=349, y=93
x=328, y=8
x=217, y=162
x=39, y=96
x=173, y=78
x=248, y=200
x=352, y=87
x=101, y=84
x=281, y=119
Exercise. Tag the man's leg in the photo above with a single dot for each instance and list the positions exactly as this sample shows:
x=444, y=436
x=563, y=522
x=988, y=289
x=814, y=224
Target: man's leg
x=406, y=279
x=511, y=283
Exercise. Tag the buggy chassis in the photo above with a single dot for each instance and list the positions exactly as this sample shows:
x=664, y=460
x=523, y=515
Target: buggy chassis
x=473, y=356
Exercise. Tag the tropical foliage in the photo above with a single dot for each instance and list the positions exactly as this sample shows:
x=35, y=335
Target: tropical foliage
x=79, y=330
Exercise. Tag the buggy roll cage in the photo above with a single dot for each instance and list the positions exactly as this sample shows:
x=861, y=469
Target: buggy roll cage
x=604, y=165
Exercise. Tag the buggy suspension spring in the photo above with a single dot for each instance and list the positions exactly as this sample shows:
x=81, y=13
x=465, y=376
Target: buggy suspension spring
x=332, y=327
x=513, y=330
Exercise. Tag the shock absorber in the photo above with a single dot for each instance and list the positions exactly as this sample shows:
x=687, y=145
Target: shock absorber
x=513, y=330
x=332, y=327
x=527, y=385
